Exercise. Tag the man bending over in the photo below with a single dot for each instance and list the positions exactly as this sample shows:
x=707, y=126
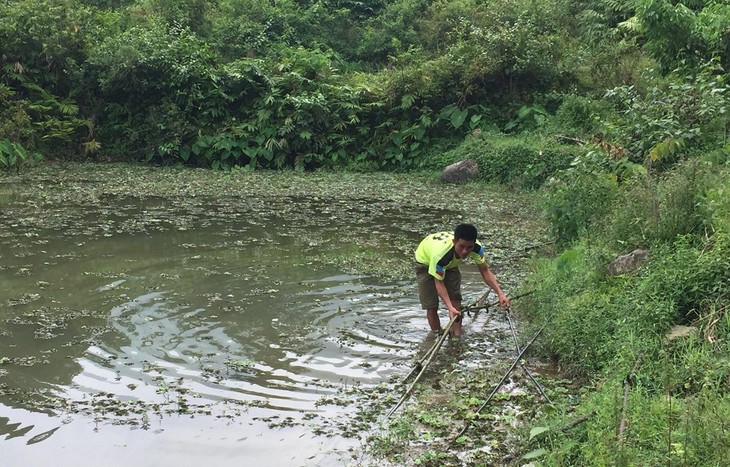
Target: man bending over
x=437, y=270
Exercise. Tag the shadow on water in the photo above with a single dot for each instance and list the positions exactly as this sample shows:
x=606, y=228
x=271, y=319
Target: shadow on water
x=215, y=330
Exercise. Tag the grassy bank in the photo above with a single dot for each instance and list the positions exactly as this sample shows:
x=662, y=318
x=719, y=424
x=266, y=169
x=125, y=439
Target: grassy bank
x=652, y=344
x=644, y=355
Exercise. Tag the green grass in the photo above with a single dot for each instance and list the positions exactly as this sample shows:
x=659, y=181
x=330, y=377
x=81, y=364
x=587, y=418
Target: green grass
x=600, y=328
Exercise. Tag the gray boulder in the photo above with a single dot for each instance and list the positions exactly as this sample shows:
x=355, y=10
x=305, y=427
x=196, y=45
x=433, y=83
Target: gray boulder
x=627, y=263
x=460, y=171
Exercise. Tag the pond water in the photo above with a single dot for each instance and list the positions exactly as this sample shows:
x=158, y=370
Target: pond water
x=167, y=328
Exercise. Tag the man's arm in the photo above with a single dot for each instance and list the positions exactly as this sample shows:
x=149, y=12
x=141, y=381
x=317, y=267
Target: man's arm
x=491, y=280
x=444, y=294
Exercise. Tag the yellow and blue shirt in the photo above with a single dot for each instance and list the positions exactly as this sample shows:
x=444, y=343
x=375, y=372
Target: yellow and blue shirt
x=437, y=252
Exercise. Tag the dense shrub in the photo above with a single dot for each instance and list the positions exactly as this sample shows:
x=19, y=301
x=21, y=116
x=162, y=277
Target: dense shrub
x=654, y=209
x=580, y=117
x=576, y=204
x=15, y=123
x=593, y=317
x=677, y=112
x=519, y=161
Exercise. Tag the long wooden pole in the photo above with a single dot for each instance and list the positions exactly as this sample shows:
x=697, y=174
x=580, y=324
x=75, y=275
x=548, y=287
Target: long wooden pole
x=426, y=359
x=527, y=372
x=419, y=364
x=476, y=306
x=430, y=355
x=504, y=378
x=472, y=307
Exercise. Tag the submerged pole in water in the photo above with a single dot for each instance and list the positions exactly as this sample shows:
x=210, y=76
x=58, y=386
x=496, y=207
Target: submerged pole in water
x=527, y=372
x=428, y=359
x=504, y=378
x=476, y=306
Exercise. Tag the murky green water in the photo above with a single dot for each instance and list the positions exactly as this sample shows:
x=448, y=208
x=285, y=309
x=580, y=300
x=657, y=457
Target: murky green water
x=174, y=325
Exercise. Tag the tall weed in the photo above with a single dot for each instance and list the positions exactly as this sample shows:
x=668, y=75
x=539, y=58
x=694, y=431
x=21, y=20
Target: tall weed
x=609, y=327
x=657, y=209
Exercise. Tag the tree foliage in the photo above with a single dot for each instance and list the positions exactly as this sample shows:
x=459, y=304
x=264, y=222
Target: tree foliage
x=307, y=84
x=685, y=34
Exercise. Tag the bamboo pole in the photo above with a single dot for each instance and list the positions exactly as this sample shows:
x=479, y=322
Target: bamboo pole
x=573, y=423
x=419, y=364
x=501, y=381
x=426, y=359
x=469, y=309
x=476, y=306
x=527, y=372
x=628, y=383
x=472, y=307
x=430, y=355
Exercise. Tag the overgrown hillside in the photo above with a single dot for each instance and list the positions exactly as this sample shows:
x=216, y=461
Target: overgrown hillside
x=384, y=84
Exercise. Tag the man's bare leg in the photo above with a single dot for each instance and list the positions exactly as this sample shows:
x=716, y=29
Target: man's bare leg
x=432, y=314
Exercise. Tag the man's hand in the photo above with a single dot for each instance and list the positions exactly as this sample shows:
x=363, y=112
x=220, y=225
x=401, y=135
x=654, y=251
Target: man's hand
x=454, y=312
x=503, y=301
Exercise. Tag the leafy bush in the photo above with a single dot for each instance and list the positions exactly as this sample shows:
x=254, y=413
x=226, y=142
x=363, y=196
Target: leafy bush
x=393, y=30
x=653, y=210
x=14, y=156
x=602, y=326
x=583, y=315
x=15, y=123
x=688, y=111
x=521, y=161
x=692, y=275
x=593, y=317
x=685, y=34
x=580, y=117
x=574, y=205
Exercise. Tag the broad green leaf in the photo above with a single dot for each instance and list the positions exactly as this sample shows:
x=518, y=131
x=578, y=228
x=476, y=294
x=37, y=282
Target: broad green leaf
x=448, y=110
x=185, y=153
x=5, y=147
x=20, y=151
x=407, y=101
x=535, y=454
x=198, y=147
x=458, y=117
x=223, y=143
x=538, y=430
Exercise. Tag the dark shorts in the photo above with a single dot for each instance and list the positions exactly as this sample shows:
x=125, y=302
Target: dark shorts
x=427, y=289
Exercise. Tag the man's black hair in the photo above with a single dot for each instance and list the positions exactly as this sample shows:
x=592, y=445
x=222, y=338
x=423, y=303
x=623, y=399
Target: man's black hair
x=465, y=232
